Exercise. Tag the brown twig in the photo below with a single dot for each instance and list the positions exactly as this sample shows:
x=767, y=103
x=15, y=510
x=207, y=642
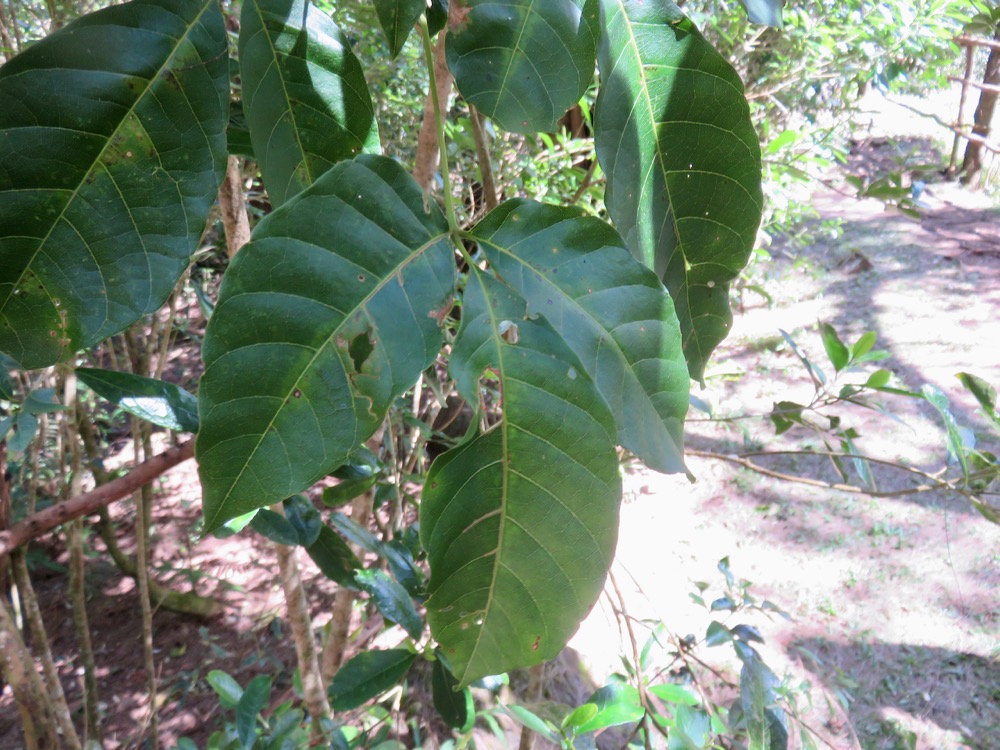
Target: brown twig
x=89, y=502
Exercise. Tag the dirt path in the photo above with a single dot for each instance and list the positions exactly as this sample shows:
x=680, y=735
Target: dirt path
x=896, y=622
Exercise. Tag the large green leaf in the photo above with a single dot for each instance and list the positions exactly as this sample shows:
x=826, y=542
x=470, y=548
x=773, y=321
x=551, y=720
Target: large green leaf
x=611, y=310
x=520, y=522
x=304, y=94
x=112, y=141
x=329, y=313
x=673, y=134
x=396, y=17
x=523, y=62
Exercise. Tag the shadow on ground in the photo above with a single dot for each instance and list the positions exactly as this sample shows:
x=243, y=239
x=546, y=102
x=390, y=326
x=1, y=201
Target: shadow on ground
x=895, y=689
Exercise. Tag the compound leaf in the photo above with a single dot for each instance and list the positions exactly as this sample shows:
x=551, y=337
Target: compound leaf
x=523, y=62
x=328, y=314
x=113, y=145
x=519, y=523
x=612, y=311
x=673, y=134
x=305, y=96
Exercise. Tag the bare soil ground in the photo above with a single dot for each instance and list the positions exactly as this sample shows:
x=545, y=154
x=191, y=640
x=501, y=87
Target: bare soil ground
x=895, y=628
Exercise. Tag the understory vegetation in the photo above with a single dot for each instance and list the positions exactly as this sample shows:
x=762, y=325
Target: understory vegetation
x=421, y=287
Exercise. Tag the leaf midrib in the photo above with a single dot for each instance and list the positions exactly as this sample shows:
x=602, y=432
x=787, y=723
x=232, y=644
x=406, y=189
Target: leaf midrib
x=98, y=158
x=284, y=88
x=605, y=334
x=504, y=474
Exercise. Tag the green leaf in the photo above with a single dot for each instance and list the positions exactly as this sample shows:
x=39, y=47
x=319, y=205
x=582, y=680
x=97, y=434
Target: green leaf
x=456, y=707
x=984, y=393
x=532, y=721
x=863, y=345
x=878, y=379
x=617, y=704
x=368, y=675
x=41, y=401
x=228, y=689
x=580, y=716
x=346, y=490
x=252, y=702
x=392, y=600
x=25, y=427
x=956, y=443
x=717, y=633
x=437, y=15
x=686, y=210
x=676, y=694
x=767, y=725
x=611, y=311
x=399, y=558
x=836, y=351
x=304, y=518
x=334, y=558
x=519, y=523
x=764, y=12
x=164, y=404
x=396, y=17
x=289, y=391
x=275, y=527
x=6, y=384
x=305, y=96
x=523, y=62
x=113, y=145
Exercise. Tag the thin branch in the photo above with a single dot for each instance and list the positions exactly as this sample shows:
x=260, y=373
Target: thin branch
x=89, y=502
x=935, y=482
x=483, y=156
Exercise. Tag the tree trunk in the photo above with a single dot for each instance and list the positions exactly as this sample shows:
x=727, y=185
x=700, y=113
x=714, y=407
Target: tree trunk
x=972, y=164
x=18, y=670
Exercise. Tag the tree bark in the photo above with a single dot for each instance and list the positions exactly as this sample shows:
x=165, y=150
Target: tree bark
x=234, y=209
x=18, y=670
x=313, y=687
x=428, y=154
x=972, y=164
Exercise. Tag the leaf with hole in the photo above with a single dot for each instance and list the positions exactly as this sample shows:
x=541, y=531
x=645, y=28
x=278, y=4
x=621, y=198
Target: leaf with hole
x=688, y=211
x=519, y=523
x=612, y=312
x=332, y=308
x=164, y=404
x=523, y=62
x=105, y=192
x=305, y=96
